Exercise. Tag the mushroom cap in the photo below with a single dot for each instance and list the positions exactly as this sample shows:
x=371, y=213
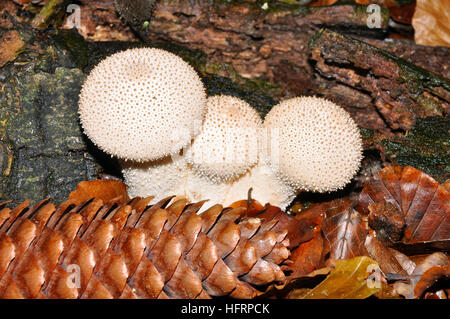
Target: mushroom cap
x=312, y=144
x=142, y=104
x=228, y=143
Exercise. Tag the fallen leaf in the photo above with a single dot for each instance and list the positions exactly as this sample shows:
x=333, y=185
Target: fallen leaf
x=423, y=202
x=297, y=286
x=430, y=22
x=436, y=295
x=350, y=279
x=406, y=285
x=403, y=14
x=387, y=220
x=106, y=190
x=10, y=45
x=345, y=230
x=306, y=258
x=429, y=277
x=446, y=185
x=322, y=3
x=387, y=258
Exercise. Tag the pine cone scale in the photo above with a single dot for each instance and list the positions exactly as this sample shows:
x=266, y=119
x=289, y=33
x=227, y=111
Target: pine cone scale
x=136, y=250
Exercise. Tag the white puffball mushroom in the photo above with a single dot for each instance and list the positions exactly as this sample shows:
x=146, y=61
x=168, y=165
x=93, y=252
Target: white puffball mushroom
x=160, y=178
x=142, y=104
x=228, y=143
x=266, y=188
x=200, y=187
x=312, y=144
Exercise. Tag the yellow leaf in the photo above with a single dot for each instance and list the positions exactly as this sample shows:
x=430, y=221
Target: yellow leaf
x=351, y=279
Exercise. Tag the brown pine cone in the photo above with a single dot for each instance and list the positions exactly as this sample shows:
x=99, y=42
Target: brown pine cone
x=166, y=250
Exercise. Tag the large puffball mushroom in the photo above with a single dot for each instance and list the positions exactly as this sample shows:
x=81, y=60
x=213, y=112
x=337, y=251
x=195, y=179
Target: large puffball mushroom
x=228, y=143
x=142, y=104
x=312, y=144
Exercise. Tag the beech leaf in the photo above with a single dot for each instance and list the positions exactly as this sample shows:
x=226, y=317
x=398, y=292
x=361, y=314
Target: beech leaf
x=424, y=204
x=430, y=22
x=345, y=230
x=350, y=279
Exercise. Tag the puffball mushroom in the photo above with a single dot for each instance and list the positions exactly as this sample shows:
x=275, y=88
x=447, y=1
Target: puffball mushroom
x=312, y=144
x=224, y=158
x=227, y=145
x=266, y=188
x=224, y=151
x=160, y=178
x=142, y=104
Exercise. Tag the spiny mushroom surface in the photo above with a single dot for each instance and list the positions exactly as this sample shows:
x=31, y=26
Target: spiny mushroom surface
x=156, y=178
x=312, y=144
x=227, y=145
x=142, y=104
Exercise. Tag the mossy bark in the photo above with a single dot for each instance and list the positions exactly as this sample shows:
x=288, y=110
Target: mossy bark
x=43, y=152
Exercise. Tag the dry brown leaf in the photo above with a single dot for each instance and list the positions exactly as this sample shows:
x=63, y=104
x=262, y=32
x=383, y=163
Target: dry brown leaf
x=424, y=275
x=431, y=22
x=446, y=185
x=345, y=230
x=385, y=257
x=429, y=277
x=106, y=190
x=10, y=45
x=307, y=257
x=423, y=202
x=403, y=14
x=322, y=3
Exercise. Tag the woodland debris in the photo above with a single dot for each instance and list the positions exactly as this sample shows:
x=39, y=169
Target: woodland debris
x=10, y=46
x=402, y=91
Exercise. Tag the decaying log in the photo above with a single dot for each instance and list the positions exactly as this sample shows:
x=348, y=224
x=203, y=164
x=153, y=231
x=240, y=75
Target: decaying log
x=401, y=91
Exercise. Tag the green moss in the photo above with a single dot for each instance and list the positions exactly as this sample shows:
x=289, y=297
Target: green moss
x=425, y=147
x=49, y=14
x=75, y=44
x=366, y=134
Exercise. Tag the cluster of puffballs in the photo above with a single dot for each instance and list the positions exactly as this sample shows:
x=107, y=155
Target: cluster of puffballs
x=149, y=108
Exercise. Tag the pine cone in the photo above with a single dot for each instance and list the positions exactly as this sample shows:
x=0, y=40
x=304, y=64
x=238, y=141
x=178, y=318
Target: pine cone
x=136, y=250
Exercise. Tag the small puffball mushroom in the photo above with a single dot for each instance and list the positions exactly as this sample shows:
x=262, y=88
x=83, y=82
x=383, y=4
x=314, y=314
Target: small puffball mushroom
x=227, y=145
x=142, y=104
x=312, y=144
